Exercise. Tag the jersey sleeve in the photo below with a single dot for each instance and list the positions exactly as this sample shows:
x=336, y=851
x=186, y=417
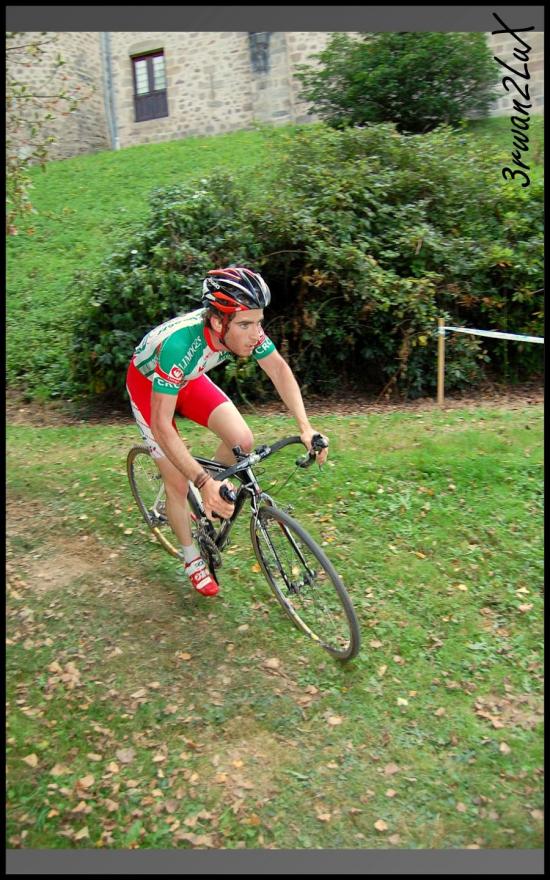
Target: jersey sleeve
x=264, y=347
x=169, y=376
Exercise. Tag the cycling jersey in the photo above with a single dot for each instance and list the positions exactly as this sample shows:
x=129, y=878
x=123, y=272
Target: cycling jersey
x=180, y=350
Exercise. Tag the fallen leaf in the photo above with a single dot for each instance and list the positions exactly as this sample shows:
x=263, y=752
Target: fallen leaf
x=59, y=770
x=93, y=757
x=525, y=608
x=31, y=760
x=402, y=702
x=382, y=671
x=80, y=835
x=376, y=644
x=272, y=663
x=113, y=768
x=390, y=769
x=86, y=781
x=394, y=839
x=125, y=756
x=183, y=655
x=504, y=748
x=462, y=808
x=80, y=808
x=111, y=805
x=139, y=693
x=381, y=825
x=324, y=817
x=439, y=712
x=391, y=793
x=420, y=555
x=335, y=720
x=537, y=814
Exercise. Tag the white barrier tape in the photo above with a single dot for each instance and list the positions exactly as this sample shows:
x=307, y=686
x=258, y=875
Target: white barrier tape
x=496, y=333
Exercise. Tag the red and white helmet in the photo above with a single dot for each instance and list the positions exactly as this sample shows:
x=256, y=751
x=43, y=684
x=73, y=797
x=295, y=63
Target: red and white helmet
x=234, y=289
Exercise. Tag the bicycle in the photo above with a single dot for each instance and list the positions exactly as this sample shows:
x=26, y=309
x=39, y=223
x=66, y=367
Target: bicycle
x=298, y=571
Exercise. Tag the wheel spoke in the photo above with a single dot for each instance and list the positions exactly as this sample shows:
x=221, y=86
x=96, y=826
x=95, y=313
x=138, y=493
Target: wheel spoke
x=305, y=582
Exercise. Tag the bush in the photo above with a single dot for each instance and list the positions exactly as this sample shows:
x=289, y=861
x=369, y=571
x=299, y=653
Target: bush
x=366, y=239
x=416, y=80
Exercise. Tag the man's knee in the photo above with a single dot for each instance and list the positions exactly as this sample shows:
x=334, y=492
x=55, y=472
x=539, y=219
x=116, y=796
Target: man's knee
x=245, y=439
x=176, y=487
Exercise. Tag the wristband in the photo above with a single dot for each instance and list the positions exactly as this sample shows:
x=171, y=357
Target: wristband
x=201, y=480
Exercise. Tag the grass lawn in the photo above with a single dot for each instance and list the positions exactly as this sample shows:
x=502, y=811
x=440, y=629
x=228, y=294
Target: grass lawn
x=140, y=715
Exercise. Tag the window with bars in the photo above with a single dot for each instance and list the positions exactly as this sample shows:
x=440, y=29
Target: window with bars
x=150, y=96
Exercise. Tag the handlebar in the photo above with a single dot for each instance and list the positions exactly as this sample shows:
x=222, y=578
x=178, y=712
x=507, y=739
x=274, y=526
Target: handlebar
x=318, y=443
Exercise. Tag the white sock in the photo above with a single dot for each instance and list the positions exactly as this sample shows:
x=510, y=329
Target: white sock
x=190, y=553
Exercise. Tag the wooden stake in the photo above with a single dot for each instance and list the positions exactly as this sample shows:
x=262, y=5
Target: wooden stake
x=441, y=361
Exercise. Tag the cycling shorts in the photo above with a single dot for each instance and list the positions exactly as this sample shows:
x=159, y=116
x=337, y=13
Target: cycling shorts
x=196, y=401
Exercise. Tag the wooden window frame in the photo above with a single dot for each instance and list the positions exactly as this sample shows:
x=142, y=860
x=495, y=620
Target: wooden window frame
x=154, y=103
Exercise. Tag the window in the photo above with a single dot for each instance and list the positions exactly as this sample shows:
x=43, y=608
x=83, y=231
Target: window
x=259, y=50
x=150, y=97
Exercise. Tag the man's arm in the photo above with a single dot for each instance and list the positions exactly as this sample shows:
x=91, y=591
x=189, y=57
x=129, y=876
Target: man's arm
x=289, y=391
x=162, y=412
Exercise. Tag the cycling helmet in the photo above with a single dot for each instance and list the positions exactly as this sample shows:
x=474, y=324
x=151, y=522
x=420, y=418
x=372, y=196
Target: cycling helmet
x=234, y=289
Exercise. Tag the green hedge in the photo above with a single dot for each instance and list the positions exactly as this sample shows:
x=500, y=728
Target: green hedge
x=365, y=237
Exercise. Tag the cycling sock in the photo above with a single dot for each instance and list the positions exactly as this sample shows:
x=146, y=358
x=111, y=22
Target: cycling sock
x=190, y=553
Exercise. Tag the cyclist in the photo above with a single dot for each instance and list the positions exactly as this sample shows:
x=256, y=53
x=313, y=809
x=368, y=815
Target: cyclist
x=167, y=373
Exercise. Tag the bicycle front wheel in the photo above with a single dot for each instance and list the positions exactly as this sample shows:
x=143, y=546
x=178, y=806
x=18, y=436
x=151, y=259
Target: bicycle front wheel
x=147, y=488
x=305, y=582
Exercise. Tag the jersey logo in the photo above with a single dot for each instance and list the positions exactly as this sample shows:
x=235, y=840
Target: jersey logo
x=176, y=374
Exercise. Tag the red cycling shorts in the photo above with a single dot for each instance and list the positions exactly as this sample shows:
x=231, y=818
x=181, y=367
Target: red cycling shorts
x=196, y=401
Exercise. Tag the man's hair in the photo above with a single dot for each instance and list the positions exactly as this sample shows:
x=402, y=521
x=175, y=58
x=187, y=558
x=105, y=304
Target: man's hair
x=208, y=314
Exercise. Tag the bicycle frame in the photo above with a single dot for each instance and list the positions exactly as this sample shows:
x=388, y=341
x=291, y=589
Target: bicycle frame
x=249, y=489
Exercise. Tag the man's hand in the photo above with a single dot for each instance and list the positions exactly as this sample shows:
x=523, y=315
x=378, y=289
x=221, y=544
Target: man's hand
x=306, y=438
x=213, y=502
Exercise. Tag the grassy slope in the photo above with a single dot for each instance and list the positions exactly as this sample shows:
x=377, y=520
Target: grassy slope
x=88, y=204
x=435, y=521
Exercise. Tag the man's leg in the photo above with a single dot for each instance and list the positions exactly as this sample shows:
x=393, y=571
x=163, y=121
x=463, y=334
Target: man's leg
x=228, y=424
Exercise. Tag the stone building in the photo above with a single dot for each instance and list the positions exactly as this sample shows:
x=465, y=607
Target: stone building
x=152, y=87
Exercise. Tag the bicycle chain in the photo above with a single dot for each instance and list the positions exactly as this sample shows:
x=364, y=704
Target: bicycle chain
x=207, y=544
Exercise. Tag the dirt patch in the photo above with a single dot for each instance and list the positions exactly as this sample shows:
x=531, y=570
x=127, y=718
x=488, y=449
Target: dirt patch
x=59, y=413
x=513, y=710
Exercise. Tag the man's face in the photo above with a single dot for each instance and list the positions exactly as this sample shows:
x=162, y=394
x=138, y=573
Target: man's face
x=244, y=332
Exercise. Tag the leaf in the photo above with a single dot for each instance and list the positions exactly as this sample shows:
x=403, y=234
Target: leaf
x=113, y=768
x=504, y=748
x=439, y=712
x=142, y=692
x=391, y=793
x=525, y=608
x=183, y=655
x=125, y=756
x=256, y=568
x=376, y=644
x=59, y=770
x=83, y=833
x=380, y=825
x=335, y=720
x=390, y=769
x=272, y=663
x=402, y=702
x=31, y=760
x=86, y=781
x=324, y=817
x=462, y=808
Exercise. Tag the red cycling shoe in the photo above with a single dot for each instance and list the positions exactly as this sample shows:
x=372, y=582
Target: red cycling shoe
x=200, y=577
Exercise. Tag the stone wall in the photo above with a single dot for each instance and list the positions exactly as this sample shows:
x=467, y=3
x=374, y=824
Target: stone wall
x=85, y=129
x=214, y=84
x=502, y=46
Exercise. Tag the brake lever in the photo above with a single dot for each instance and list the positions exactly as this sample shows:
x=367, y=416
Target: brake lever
x=318, y=443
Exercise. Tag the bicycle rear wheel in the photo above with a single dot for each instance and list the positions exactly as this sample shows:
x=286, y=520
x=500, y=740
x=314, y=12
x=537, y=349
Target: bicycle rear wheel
x=148, y=490
x=305, y=582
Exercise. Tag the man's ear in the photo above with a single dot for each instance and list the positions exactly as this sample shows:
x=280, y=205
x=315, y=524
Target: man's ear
x=216, y=324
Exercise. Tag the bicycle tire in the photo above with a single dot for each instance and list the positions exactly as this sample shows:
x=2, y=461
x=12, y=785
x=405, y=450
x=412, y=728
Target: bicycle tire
x=147, y=488
x=318, y=604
